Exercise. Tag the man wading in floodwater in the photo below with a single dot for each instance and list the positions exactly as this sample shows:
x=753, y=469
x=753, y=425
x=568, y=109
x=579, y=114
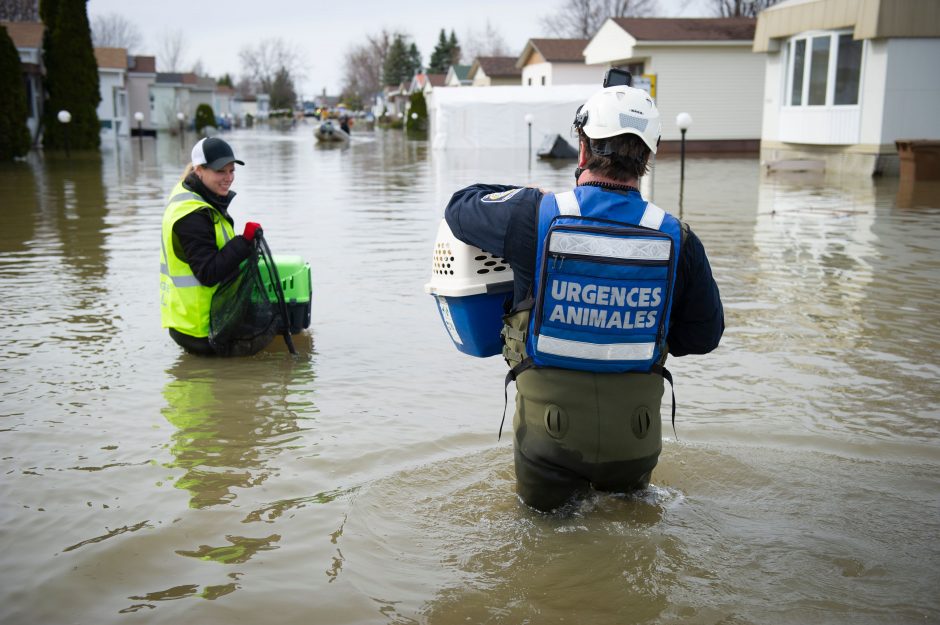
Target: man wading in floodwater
x=606, y=285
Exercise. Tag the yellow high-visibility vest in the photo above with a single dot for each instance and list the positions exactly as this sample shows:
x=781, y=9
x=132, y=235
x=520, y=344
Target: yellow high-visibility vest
x=184, y=301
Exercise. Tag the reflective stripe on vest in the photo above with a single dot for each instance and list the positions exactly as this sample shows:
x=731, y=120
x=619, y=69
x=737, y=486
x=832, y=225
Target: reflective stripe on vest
x=184, y=301
x=568, y=203
x=605, y=247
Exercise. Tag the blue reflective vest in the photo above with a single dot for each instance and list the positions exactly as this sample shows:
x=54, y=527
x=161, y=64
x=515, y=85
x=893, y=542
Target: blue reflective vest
x=605, y=271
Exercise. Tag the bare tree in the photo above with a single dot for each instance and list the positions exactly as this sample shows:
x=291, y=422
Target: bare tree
x=363, y=65
x=245, y=87
x=273, y=56
x=581, y=19
x=113, y=30
x=19, y=10
x=172, y=54
x=199, y=69
x=741, y=8
x=488, y=42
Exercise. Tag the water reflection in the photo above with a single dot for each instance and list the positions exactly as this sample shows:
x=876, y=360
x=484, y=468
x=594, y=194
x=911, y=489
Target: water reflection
x=73, y=198
x=20, y=207
x=834, y=261
x=458, y=522
x=226, y=439
x=918, y=194
x=363, y=482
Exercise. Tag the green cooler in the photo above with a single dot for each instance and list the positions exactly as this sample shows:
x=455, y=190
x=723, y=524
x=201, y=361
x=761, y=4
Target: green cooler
x=294, y=273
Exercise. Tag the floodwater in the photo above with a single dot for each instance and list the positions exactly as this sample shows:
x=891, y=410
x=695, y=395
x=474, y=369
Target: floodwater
x=362, y=481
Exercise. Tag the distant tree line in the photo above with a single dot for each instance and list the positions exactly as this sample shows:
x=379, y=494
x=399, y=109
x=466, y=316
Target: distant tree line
x=391, y=58
x=402, y=61
x=445, y=54
x=19, y=11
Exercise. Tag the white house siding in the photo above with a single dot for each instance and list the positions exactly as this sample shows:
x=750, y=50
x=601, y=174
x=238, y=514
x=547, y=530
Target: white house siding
x=168, y=99
x=562, y=74
x=112, y=109
x=609, y=42
x=911, y=90
x=871, y=96
x=35, y=90
x=577, y=74
x=721, y=87
x=774, y=87
x=480, y=79
x=138, y=96
x=199, y=96
x=533, y=74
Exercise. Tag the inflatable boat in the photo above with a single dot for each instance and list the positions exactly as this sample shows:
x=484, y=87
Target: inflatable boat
x=329, y=131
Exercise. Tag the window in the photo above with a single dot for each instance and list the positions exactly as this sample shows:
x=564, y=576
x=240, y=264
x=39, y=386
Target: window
x=31, y=106
x=799, y=60
x=543, y=81
x=824, y=70
x=848, y=70
x=635, y=69
x=530, y=81
x=818, y=70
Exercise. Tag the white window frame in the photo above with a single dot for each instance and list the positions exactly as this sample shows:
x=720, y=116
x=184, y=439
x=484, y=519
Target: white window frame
x=833, y=36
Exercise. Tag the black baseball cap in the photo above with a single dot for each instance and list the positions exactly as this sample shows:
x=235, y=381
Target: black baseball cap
x=213, y=153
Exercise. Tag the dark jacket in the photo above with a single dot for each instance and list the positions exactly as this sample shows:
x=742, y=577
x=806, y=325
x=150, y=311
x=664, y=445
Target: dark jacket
x=196, y=234
x=503, y=223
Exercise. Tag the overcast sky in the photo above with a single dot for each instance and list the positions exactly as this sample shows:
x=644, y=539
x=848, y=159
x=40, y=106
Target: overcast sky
x=214, y=32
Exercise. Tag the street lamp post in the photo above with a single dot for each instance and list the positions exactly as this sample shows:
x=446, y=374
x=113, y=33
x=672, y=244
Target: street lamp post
x=140, y=132
x=683, y=121
x=181, y=117
x=528, y=120
x=64, y=118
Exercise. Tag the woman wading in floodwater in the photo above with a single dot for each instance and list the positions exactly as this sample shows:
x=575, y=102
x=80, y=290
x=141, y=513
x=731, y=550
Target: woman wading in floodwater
x=200, y=248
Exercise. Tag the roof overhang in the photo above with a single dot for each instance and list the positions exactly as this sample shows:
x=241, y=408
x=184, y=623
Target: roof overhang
x=868, y=19
x=526, y=53
x=610, y=43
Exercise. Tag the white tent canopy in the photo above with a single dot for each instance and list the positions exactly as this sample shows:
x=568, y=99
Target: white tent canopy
x=494, y=117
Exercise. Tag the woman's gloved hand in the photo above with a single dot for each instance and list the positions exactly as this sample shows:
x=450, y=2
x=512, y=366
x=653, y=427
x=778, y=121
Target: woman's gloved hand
x=250, y=228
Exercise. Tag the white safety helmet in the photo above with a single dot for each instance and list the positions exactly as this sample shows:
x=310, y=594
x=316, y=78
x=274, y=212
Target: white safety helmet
x=620, y=110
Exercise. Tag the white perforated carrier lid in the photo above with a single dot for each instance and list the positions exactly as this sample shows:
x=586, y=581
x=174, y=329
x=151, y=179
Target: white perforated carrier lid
x=459, y=269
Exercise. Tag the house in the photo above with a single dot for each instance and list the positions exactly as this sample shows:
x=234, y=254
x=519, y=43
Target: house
x=257, y=106
x=395, y=99
x=546, y=62
x=173, y=93
x=27, y=37
x=141, y=74
x=845, y=79
x=489, y=71
x=124, y=83
x=425, y=83
x=434, y=81
x=457, y=76
x=222, y=98
x=112, y=74
x=704, y=67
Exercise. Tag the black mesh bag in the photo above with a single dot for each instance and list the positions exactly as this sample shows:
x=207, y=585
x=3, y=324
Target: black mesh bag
x=242, y=318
